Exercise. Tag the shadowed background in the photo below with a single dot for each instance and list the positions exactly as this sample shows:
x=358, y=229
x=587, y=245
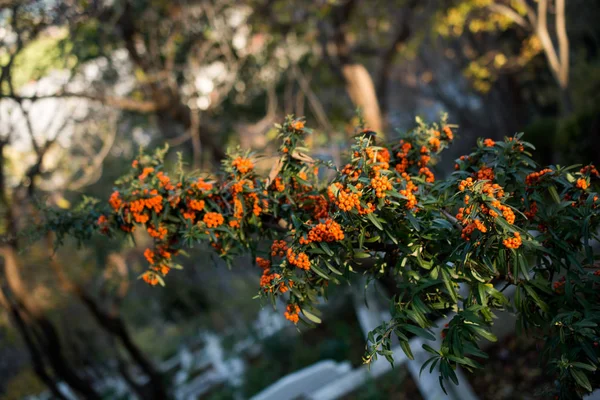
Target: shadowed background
x=84, y=84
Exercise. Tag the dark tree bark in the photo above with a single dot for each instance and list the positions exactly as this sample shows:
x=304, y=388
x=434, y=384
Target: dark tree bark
x=38, y=331
x=114, y=325
x=169, y=105
x=387, y=57
x=36, y=357
x=359, y=83
x=46, y=333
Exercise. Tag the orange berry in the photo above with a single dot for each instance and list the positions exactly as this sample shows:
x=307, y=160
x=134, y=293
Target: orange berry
x=115, y=201
x=582, y=184
x=291, y=313
x=149, y=254
x=243, y=165
x=150, y=278
x=213, y=219
x=381, y=184
x=513, y=243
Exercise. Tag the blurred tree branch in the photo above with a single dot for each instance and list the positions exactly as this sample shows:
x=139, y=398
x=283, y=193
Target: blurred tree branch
x=121, y=103
x=558, y=58
x=387, y=56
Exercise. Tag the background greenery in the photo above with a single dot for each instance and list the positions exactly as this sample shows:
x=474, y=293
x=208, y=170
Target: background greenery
x=98, y=80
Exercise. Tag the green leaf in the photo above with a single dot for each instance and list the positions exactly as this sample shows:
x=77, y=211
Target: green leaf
x=484, y=333
x=442, y=382
x=442, y=223
x=581, y=379
x=430, y=360
x=361, y=254
x=482, y=298
x=302, y=181
x=430, y=349
x=401, y=336
x=419, y=331
x=449, y=372
x=326, y=248
x=406, y=348
x=585, y=324
x=374, y=221
x=331, y=267
x=536, y=298
x=422, y=263
x=297, y=223
x=413, y=221
x=373, y=239
x=417, y=317
x=464, y=361
x=472, y=349
x=311, y=316
x=361, y=238
x=433, y=365
x=319, y=272
x=523, y=266
x=584, y=366
x=449, y=284
x=554, y=194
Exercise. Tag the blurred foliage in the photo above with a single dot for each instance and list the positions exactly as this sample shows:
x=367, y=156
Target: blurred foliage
x=568, y=139
x=41, y=57
x=481, y=18
x=339, y=338
x=508, y=89
x=513, y=372
x=169, y=335
x=578, y=137
x=24, y=383
x=542, y=134
x=324, y=229
x=396, y=384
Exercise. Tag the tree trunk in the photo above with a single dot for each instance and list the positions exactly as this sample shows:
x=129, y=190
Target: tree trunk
x=359, y=83
x=557, y=62
x=122, y=367
x=361, y=89
x=114, y=325
x=170, y=107
x=36, y=358
x=566, y=104
x=36, y=321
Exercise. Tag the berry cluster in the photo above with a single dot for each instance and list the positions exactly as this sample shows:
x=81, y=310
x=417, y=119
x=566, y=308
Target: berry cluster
x=328, y=231
x=243, y=165
x=534, y=178
x=381, y=184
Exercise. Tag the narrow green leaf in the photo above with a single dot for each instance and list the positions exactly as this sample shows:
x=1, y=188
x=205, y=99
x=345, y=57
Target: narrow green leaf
x=419, y=331
x=484, y=333
x=536, y=298
x=413, y=221
x=332, y=268
x=406, y=348
x=311, y=316
x=374, y=221
x=361, y=254
x=319, y=272
x=326, y=248
x=554, y=194
x=584, y=366
x=430, y=360
x=581, y=379
x=430, y=349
